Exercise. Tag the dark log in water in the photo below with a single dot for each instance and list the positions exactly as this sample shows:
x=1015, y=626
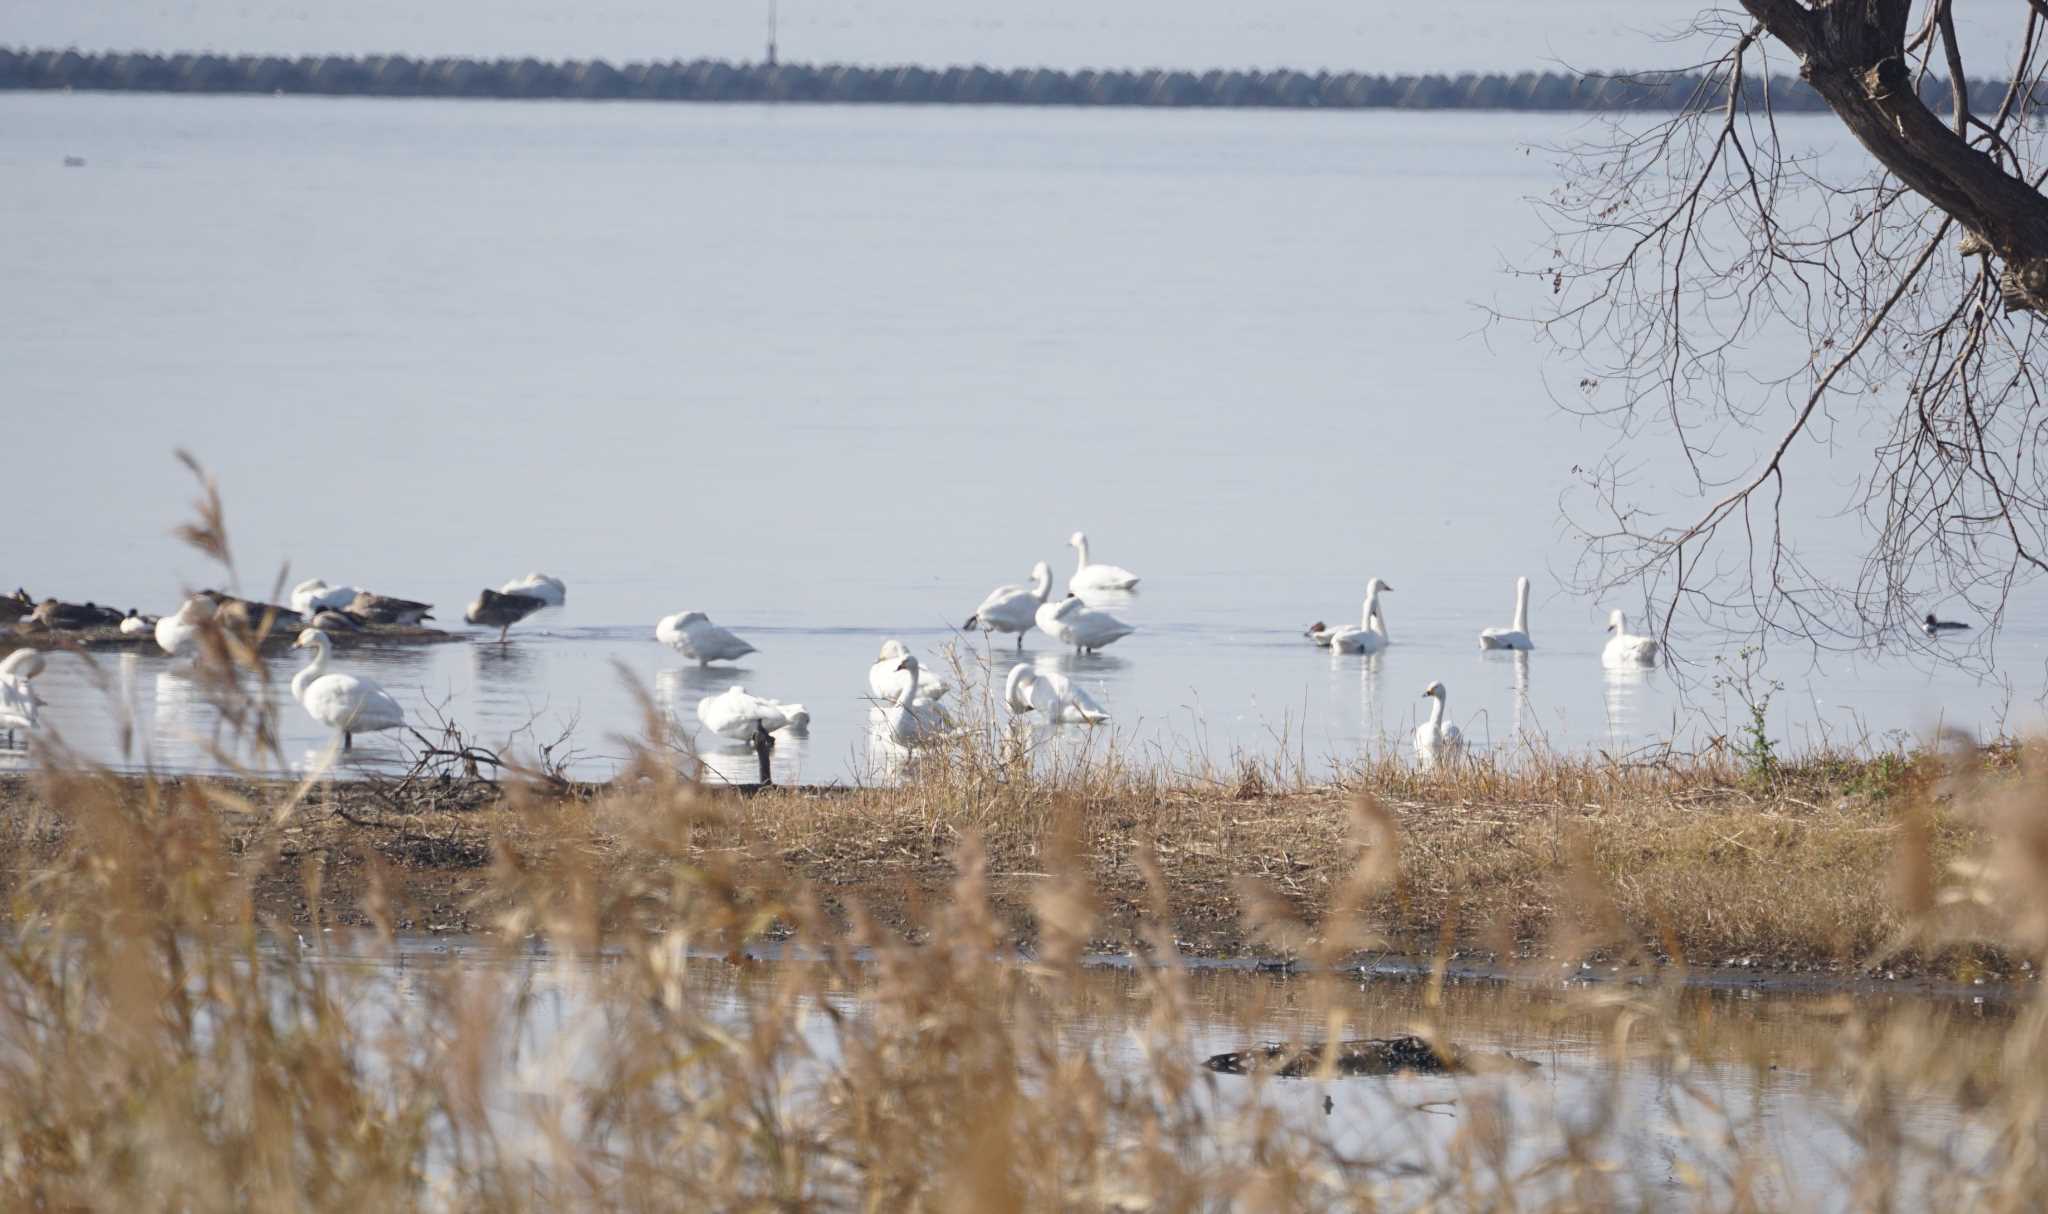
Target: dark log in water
x=717, y=80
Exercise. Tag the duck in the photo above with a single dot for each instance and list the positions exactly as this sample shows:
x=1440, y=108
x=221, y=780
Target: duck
x=348, y=704
x=749, y=718
x=1091, y=576
x=1516, y=637
x=888, y=683
x=1370, y=634
x=1013, y=608
x=179, y=634
x=490, y=609
x=18, y=701
x=1624, y=649
x=135, y=624
x=551, y=591
x=383, y=609
x=315, y=595
x=1050, y=693
x=1934, y=628
x=913, y=719
x=52, y=613
x=692, y=634
x=1072, y=622
x=1436, y=742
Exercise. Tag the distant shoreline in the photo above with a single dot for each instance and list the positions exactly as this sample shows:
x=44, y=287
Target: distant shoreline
x=714, y=80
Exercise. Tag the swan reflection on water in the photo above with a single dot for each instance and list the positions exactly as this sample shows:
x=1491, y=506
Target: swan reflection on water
x=1628, y=691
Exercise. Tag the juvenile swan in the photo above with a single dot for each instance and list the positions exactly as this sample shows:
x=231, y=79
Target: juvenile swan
x=1072, y=622
x=1436, y=742
x=345, y=703
x=1624, y=649
x=1090, y=576
x=1051, y=694
x=692, y=634
x=1013, y=608
x=1516, y=637
x=1370, y=636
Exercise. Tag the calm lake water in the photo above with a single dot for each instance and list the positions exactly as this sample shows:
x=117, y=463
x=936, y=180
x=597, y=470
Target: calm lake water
x=829, y=375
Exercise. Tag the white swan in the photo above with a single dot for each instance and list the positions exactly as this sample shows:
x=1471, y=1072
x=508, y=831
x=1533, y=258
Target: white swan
x=1436, y=742
x=1013, y=608
x=1090, y=576
x=1052, y=694
x=1370, y=634
x=692, y=634
x=888, y=682
x=912, y=720
x=345, y=703
x=178, y=634
x=1516, y=637
x=550, y=590
x=314, y=594
x=18, y=700
x=135, y=624
x=1072, y=622
x=734, y=714
x=1624, y=649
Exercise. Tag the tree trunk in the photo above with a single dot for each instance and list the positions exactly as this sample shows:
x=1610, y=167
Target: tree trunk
x=1853, y=53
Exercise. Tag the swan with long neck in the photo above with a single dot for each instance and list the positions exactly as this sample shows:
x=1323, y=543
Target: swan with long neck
x=911, y=720
x=1370, y=635
x=1436, y=742
x=344, y=703
x=1516, y=637
x=1091, y=576
x=18, y=701
x=1013, y=608
x=1050, y=693
x=888, y=684
x=1625, y=649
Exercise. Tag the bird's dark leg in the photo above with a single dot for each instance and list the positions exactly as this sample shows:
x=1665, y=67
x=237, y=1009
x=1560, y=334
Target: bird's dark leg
x=1020, y=642
x=502, y=633
x=764, y=745
x=348, y=740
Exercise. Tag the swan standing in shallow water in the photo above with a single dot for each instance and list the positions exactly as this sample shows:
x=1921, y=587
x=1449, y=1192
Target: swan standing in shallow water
x=1370, y=635
x=1090, y=576
x=1072, y=622
x=1516, y=637
x=18, y=700
x=1624, y=649
x=1436, y=742
x=345, y=703
x=178, y=634
x=692, y=634
x=1052, y=694
x=912, y=720
x=1013, y=608
x=889, y=683
x=552, y=591
x=749, y=718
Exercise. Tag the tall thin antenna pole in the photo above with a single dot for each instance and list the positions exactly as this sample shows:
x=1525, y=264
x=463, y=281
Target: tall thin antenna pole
x=771, y=33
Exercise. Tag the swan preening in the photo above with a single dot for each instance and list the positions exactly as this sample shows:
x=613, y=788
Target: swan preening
x=551, y=591
x=1052, y=694
x=1516, y=637
x=315, y=595
x=178, y=634
x=692, y=634
x=888, y=682
x=1624, y=649
x=751, y=719
x=135, y=624
x=1369, y=636
x=1072, y=622
x=915, y=718
x=1436, y=742
x=1013, y=608
x=1934, y=628
x=345, y=703
x=18, y=700
x=491, y=609
x=1090, y=576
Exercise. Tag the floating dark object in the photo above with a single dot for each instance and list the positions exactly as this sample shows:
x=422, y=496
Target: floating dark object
x=1934, y=628
x=1371, y=1056
x=74, y=162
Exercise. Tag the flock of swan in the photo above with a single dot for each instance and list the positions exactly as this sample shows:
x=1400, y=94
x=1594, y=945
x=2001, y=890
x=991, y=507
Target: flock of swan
x=907, y=708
